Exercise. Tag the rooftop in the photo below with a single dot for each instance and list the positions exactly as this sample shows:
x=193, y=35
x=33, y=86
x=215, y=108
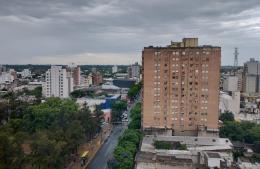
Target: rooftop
x=123, y=83
x=213, y=155
x=192, y=143
x=167, y=47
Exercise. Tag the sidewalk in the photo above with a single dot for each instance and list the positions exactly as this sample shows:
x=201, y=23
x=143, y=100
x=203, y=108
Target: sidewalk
x=92, y=146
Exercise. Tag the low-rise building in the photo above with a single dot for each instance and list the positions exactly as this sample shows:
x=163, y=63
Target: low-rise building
x=124, y=83
x=122, y=75
x=250, y=112
x=90, y=103
x=244, y=163
x=201, y=152
x=110, y=88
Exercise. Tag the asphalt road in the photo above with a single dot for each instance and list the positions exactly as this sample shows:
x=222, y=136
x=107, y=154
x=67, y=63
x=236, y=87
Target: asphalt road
x=106, y=151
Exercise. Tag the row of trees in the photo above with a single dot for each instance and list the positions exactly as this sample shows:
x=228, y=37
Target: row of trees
x=127, y=147
x=47, y=135
x=246, y=132
x=118, y=107
x=135, y=117
x=134, y=90
x=82, y=93
x=85, y=93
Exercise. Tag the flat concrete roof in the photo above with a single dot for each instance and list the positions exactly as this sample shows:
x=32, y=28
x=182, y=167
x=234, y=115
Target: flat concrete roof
x=192, y=143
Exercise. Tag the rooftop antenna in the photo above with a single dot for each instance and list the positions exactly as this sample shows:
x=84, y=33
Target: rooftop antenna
x=236, y=57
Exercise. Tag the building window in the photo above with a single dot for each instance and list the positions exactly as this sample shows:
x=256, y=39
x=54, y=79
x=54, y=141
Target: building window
x=157, y=53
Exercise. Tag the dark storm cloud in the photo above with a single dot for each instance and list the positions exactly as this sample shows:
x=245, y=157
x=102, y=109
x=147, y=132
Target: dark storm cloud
x=95, y=31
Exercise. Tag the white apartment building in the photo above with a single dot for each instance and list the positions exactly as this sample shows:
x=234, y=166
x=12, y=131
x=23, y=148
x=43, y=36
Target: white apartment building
x=230, y=83
x=229, y=102
x=57, y=83
x=26, y=73
x=6, y=77
x=114, y=69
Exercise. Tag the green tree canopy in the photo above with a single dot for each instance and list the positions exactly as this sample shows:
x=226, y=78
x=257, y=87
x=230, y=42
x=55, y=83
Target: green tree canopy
x=52, y=130
x=226, y=116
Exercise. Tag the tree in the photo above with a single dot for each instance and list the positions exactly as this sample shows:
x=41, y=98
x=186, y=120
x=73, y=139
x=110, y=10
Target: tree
x=10, y=152
x=131, y=136
x=42, y=148
x=53, y=130
x=255, y=133
x=257, y=146
x=128, y=143
x=226, y=116
x=82, y=93
x=37, y=92
x=74, y=134
x=99, y=117
x=134, y=90
x=232, y=130
x=117, y=109
x=88, y=122
x=136, y=117
x=124, y=158
x=78, y=93
x=4, y=114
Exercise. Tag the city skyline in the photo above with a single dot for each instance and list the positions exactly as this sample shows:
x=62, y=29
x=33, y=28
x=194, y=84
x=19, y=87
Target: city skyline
x=90, y=32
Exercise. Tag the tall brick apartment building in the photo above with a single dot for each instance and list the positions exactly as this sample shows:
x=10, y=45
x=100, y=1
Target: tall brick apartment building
x=181, y=88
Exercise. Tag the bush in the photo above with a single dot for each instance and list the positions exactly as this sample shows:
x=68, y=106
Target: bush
x=227, y=116
x=256, y=158
x=182, y=147
x=163, y=145
x=136, y=117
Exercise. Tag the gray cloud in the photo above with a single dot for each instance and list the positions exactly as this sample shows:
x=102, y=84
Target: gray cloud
x=89, y=31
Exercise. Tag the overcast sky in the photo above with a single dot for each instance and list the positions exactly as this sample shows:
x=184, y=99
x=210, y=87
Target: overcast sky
x=115, y=31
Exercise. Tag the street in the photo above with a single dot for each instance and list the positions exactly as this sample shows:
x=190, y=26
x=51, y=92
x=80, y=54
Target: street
x=106, y=151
